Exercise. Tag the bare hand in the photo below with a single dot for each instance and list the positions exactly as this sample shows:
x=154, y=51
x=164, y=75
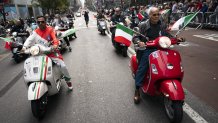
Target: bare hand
x=141, y=44
x=54, y=47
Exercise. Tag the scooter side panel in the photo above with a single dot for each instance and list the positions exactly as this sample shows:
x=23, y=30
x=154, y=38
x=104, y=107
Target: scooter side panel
x=173, y=89
x=36, y=90
x=168, y=64
x=37, y=68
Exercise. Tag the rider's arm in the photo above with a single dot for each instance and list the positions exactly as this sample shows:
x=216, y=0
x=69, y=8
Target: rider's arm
x=30, y=40
x=54, y=38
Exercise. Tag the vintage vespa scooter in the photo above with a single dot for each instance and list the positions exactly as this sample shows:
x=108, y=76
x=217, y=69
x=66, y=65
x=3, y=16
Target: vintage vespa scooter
x=164, y=76
x=41, y=78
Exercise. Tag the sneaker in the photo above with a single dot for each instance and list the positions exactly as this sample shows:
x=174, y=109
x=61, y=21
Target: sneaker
x=70, y=49
x=70, y=87
x=137, y=96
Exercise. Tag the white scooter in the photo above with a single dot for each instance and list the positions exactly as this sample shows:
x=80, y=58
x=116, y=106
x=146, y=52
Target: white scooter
x=41, y=77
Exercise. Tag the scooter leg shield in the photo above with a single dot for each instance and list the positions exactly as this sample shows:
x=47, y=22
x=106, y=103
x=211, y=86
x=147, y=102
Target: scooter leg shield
x=36, y=90
x=172, y=89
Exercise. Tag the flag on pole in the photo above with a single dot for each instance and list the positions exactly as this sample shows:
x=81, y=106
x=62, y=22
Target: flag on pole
x=68, y=32
x=182, y=22
x=123, y=35
x=164, y=12
x=140, y=16
x=8, y=42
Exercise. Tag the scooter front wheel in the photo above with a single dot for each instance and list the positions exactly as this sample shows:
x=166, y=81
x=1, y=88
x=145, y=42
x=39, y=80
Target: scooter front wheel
x=39, y=107
x=173, y=110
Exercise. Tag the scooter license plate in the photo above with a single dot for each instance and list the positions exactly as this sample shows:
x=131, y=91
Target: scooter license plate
x=103, y=27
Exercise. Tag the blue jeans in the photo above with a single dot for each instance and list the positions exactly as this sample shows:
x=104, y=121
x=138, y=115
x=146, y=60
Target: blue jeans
x=143, y=64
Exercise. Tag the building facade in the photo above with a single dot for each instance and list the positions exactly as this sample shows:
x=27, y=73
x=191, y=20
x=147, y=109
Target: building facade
x=21, y=9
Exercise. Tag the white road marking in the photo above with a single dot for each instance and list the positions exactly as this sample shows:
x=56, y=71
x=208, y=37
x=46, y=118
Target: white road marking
x=188, y=28
x=193, y=114
x=213, y=37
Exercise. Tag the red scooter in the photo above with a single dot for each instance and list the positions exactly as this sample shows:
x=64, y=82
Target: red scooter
x=164, y=76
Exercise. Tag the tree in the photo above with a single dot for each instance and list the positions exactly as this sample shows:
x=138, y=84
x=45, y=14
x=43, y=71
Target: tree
x=52, y=5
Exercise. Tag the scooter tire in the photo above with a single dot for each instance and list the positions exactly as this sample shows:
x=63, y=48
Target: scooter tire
x=17, y=59
x=174, y=111
x=39, y=107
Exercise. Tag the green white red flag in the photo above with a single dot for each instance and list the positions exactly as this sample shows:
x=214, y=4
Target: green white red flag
x=182, y=22
x=164, y=12
x=123, y=35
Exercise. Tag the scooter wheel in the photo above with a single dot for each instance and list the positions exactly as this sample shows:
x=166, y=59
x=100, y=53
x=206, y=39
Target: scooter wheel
x=17, y=59
x=39, y=107
x=173, y=110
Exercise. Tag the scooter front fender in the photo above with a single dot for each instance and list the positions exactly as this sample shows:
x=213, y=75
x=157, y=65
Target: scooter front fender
x=36, y=90
x=172, y=89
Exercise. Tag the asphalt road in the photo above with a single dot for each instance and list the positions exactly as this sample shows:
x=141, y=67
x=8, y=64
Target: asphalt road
x=104, y=88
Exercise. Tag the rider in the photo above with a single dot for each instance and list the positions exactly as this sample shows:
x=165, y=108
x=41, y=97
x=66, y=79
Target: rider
x=20, y=28
x=116, y=18
x=59, y=22
x=43, y=35
x=152, y=28
x=101, y=16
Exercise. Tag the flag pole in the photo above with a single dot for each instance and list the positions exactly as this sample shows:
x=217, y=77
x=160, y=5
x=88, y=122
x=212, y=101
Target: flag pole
x=186, y=24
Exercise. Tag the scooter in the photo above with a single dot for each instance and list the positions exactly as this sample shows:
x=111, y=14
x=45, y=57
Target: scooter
x=41, y=78
x=17, y=45
x=164, y=76
x=119, y=46
x=102, y=26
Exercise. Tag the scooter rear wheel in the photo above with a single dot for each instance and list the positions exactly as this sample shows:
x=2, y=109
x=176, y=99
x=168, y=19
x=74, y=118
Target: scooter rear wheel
x=39, y=107
x=173, y=110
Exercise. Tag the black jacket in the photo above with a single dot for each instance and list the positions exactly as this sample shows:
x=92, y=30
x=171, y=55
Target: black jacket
x=145, y=26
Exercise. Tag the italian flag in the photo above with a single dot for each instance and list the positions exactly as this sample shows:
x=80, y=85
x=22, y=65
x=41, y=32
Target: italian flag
x=140, y=16
x=8, y=42
x=123, y=35
x=182, y=22
x=164, y=12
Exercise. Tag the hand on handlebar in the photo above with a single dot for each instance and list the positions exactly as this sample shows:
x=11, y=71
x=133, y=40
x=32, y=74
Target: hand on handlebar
x=141, y=44
x=180, y=39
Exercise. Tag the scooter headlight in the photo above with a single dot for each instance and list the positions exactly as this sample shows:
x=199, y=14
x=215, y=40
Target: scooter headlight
x=34, y=50
x=14, y=34
x=164, y=42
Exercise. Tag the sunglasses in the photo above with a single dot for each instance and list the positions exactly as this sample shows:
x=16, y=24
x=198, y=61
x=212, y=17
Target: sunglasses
x=39, y=22
x=156, y=15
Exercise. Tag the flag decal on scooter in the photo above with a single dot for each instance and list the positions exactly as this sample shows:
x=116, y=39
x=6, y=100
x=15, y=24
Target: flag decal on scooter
x=44, y=68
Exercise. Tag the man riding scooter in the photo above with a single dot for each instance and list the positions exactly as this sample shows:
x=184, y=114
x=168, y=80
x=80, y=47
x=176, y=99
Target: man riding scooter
x=116, y=18
x=60, y=23
x=45, y=35
x=101, y=23
x=152, y=28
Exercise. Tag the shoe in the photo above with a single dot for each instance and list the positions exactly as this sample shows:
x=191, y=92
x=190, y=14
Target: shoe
x=70, y=87
x=70, y=49
x=137, y=96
